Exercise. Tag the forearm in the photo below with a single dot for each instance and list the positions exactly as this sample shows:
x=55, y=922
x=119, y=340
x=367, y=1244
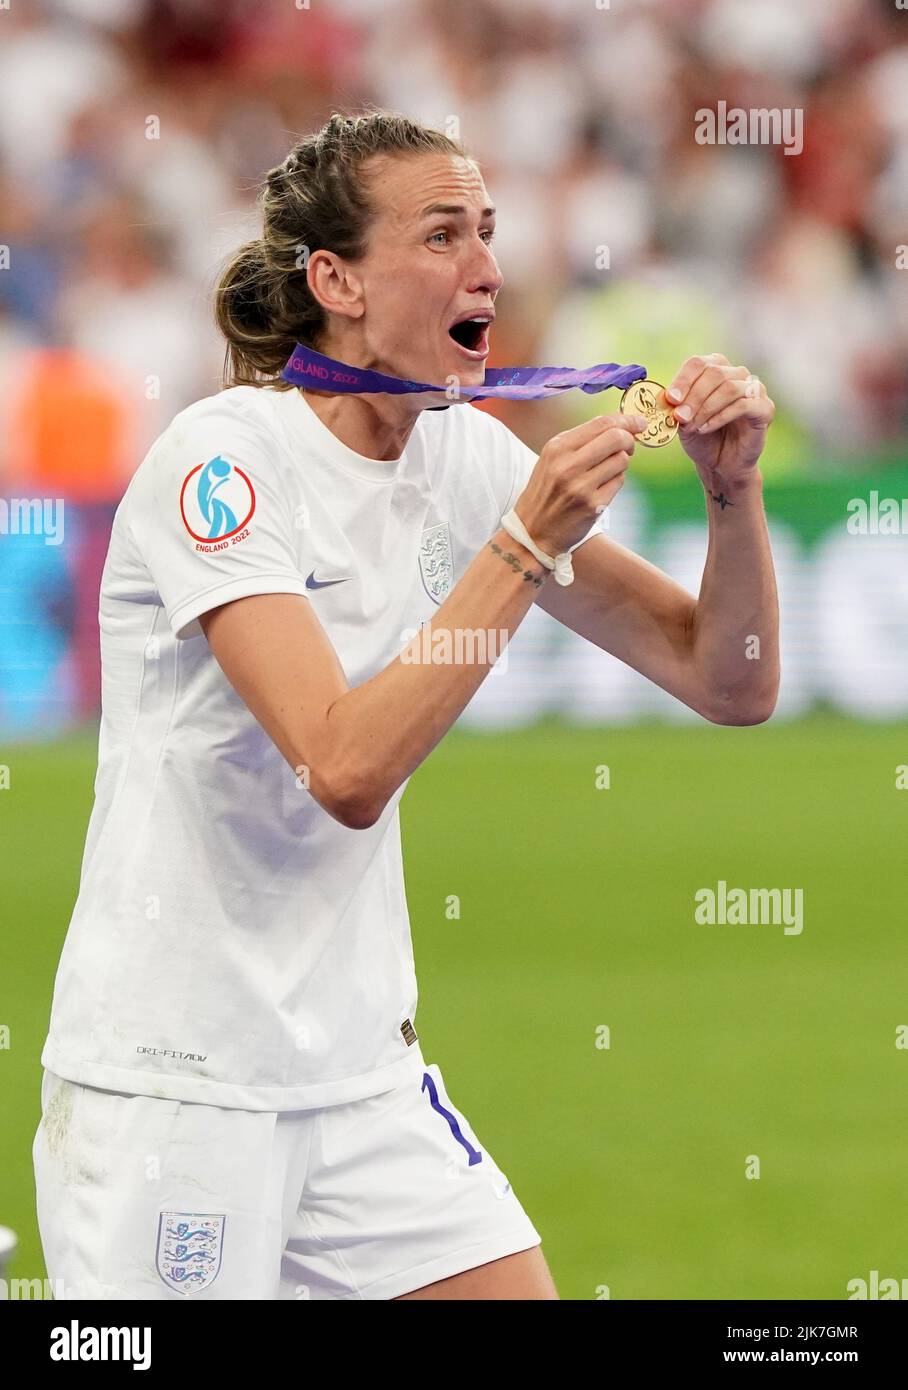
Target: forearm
x=735, y=624
x=384, y=728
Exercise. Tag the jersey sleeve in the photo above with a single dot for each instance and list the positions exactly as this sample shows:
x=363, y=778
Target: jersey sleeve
x=518, y=463
x=210, y=514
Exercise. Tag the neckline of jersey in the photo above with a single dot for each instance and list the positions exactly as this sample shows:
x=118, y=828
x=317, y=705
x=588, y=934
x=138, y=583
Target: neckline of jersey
x=347, y=459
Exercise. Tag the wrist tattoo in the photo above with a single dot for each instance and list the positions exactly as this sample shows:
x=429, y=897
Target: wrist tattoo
x=517, y=564
x=722, y=500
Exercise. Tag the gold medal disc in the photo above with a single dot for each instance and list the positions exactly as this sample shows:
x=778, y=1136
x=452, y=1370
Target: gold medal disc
x=648, y=398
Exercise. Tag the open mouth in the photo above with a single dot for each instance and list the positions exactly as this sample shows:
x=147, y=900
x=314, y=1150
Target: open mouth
x=472, y=335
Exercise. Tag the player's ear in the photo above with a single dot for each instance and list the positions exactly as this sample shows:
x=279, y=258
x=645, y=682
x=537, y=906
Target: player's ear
x=335, y=284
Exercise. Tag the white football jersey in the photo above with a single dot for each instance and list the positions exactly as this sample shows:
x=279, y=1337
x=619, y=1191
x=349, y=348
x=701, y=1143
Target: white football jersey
x=232, y=943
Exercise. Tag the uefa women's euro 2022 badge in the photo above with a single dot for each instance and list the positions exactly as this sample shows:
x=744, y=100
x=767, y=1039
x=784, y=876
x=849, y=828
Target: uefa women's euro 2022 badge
x=217, y=502
x=436, y=562
x=190, y=1246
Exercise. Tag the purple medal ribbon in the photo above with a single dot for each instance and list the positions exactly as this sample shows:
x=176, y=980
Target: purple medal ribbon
x=310, y=368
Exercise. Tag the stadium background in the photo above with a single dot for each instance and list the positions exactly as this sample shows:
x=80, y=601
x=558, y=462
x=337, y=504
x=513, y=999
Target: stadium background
x=132, y=136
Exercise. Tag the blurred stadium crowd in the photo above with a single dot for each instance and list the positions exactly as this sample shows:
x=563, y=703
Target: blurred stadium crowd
x=134, y=134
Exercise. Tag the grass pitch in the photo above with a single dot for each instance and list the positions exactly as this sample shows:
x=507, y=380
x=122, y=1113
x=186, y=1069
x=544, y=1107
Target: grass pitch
x=727, y=1044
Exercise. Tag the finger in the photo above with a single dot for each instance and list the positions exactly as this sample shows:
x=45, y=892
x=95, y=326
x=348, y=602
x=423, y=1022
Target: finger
x=759, y=413
x=591, y=430
x=598, y=450
x=725, y=392
x=611, y=473
x=709, y=381
x=613, y=467
x=624, y=420
x=609, y=491
x=690, y=371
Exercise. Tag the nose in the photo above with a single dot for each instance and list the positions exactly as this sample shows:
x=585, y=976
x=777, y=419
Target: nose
x=484, y=274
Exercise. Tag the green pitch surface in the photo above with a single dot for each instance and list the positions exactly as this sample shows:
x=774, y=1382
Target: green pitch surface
x=728, y=1044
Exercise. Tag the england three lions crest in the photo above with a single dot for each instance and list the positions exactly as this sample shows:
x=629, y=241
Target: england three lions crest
x=436, y=564
x=189, y=1249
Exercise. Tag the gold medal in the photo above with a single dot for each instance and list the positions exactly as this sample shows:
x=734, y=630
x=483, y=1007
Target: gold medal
x=648, y=398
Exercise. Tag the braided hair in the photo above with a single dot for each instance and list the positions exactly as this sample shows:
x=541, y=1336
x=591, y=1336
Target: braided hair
x=317, y=199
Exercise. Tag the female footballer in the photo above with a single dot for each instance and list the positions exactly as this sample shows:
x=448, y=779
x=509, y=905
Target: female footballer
x=235, y=1103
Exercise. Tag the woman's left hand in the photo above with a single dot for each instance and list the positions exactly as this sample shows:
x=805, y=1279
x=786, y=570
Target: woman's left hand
x=723, y=413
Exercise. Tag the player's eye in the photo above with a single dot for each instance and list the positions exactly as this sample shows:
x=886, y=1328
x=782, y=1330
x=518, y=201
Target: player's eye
x=435, y=235
x=489, y=235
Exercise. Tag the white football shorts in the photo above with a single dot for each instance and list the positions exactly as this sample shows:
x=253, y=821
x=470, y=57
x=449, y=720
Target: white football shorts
x=147, y=1198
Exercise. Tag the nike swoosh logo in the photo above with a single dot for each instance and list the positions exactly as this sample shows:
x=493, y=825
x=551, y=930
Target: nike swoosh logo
x=313, y=583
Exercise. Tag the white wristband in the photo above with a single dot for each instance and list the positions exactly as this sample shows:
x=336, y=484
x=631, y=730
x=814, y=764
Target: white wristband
x=561, y=564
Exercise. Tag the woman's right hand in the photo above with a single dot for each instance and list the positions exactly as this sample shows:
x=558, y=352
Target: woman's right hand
x=578, y=473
